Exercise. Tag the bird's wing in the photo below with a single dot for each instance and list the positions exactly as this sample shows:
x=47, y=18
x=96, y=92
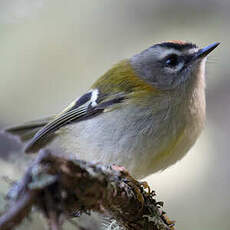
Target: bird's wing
x=89, y=105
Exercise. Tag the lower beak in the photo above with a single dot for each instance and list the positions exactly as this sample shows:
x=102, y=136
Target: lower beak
x=201, y=53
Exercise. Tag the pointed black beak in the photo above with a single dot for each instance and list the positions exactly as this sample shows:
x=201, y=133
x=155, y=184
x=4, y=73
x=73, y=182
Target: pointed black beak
x=201, y=53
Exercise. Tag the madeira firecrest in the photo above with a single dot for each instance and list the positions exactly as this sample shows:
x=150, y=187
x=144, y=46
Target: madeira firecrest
x=145, y=113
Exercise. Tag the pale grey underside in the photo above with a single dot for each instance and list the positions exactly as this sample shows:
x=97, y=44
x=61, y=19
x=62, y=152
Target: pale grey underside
x=131, y=136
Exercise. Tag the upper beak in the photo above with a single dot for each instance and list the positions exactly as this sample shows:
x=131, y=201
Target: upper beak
x=201, y=53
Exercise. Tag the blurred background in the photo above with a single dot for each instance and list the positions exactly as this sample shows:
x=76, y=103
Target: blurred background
x=51, y=51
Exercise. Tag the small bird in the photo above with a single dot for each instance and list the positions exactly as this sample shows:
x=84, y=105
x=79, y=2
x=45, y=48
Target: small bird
x=144, y=114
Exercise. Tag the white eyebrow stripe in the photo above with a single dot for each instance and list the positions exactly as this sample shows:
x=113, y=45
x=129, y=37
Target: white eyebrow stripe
x=167, y=52
x=191, y=51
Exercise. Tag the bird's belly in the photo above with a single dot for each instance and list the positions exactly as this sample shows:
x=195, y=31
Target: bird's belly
x=142, y=149
x=109, y=141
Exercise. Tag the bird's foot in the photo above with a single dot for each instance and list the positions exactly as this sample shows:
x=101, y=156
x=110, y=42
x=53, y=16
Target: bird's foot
x=170, y=223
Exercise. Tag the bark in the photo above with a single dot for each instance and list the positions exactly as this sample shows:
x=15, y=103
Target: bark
x=64, y=188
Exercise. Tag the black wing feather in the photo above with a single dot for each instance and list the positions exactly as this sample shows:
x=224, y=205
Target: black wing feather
x=82, y=109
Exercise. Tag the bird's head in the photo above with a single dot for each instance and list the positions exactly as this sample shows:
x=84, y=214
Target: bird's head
x=170, y=64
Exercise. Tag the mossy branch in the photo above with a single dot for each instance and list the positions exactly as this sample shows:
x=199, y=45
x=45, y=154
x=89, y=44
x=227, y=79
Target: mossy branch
x=62, y=187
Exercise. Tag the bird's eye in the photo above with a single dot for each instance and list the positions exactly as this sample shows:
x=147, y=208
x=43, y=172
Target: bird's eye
x=172, y=61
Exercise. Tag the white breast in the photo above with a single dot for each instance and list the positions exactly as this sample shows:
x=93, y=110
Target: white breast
x=134, y=137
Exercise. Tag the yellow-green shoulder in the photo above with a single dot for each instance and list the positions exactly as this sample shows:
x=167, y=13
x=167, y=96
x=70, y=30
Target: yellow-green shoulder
x=122, y=78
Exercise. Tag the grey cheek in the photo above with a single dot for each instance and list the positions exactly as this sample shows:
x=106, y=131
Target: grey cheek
x=148, y=73
x=151, y=72
x=162, y=81
x=166, y=79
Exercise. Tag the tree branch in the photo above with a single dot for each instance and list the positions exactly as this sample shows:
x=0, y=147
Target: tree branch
x=62, y=187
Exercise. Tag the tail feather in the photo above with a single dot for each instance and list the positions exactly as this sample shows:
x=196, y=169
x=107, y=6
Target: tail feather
x=27, y=130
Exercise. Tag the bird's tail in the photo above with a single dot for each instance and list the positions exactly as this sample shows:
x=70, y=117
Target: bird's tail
x=26, y=131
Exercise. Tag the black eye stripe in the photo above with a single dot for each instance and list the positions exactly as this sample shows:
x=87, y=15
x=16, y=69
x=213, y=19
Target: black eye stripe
x=179, y=58
x=172, y=60
x=187, y=60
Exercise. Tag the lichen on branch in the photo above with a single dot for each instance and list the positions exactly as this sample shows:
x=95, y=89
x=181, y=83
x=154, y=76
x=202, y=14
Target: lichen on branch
x=63, y=188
